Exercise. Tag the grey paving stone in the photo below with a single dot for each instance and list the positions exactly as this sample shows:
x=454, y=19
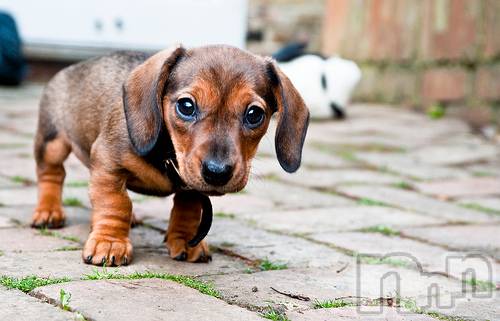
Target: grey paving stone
x=352, y=314
x=483, y=238
x=419, y=203
x=474, y=186
x=485, y=168
x=152, y=299
x=290, y=197
x=6, y=222
x=331, y=178
x=418, y=255
x=487, y=202
x=456, y=154
x=59, y=264
x=339, y=280
x=257, y=244
x=473, y=308
x=410, y=166
x=330, y=219
x=17, y=306
x=29, y=240
x=241, y=203
x=22, y=214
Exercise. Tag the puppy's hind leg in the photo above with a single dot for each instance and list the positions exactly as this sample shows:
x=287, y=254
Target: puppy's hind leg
x=50, y=152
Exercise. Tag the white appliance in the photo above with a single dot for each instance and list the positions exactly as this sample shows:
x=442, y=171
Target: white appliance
x=77, y=29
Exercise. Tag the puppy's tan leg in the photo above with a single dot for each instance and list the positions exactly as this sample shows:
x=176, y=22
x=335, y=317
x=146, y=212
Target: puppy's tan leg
x=184, y=221
x=108, y=242
x=50, y=171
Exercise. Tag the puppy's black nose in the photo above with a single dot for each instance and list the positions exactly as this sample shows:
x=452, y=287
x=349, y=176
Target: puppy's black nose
x=215, y=172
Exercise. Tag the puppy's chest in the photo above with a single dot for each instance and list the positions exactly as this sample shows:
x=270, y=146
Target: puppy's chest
x=148, y=180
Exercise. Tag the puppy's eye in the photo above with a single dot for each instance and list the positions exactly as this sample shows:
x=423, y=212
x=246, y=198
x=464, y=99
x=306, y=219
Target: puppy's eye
x=254, y=116
x=186, y=109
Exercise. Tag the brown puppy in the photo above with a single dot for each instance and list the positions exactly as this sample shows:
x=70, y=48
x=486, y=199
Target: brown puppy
x=123, y=115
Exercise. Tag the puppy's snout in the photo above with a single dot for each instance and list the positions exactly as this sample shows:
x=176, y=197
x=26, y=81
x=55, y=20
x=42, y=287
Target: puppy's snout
x=216, y=172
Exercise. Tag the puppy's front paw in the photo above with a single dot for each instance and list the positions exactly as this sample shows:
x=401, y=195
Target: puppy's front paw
x=180, y=251
x=51, y=216
x=107, y=250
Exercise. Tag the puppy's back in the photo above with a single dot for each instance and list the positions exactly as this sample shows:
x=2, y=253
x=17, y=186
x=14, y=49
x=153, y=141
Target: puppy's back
x=85, y=97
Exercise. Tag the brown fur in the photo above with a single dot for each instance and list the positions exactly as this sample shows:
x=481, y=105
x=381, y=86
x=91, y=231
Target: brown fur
x=117, y=115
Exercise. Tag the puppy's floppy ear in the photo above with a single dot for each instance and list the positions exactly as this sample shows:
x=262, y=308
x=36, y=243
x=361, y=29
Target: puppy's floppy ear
x=142, y=98
x=293, y=119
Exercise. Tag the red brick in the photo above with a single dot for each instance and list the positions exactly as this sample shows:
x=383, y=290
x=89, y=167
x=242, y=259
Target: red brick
x=371, y=29
x=491, y=28
x=444, y=84
x=488, y=83
x=450, y=29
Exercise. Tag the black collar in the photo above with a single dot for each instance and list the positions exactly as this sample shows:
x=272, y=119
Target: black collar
x=174, y=175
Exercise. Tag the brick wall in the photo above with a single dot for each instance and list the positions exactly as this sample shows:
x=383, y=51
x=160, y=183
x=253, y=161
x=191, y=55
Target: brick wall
x=419, y=52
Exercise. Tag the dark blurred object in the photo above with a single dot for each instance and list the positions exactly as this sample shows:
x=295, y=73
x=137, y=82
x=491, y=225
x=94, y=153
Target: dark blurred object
x=12, y=63
x=290, y=51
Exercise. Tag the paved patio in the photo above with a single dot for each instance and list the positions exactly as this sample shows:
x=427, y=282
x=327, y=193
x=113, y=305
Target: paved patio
x=393, y=216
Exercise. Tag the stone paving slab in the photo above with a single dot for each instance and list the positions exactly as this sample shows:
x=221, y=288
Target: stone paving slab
x=292, y=197
x=417, y=255
x=256, y=244
x=156, y=300
x=475, y=186
x=58, y=264
x=483, y=238
x=22, y=214
x=17, y=306
x=339, y=280
x=333, y=219
x=331, y=178
x=419, y=203
x=29, y=240
x=352, y=314
x=408, y=166
x=456, y=154
x=471, y=308
x=487, y=202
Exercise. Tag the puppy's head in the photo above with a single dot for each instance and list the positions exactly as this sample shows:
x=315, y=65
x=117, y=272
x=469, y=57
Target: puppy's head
x=216, y=103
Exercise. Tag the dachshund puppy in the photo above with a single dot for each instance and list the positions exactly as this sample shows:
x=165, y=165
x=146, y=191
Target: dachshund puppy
x=183, y=121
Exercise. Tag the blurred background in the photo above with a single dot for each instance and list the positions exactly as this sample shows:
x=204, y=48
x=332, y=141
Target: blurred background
x=430, y=55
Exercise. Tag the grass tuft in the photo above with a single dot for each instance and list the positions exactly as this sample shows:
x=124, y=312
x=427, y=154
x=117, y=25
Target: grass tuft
x=266, y=265
x=77, y=183
x=275, y=315
x=331, y=304
x=72, y=201
x=370, y=202
x=46, y=232
x=28, y=283
x=382, y=229
x=224, y=215
x=65, y=297
x=480, y=284
x=67, y=248
x=203, y=287
x=403, y=185
x=21, y=180
x=373, y=260
x=480, y=208
x=436, y=111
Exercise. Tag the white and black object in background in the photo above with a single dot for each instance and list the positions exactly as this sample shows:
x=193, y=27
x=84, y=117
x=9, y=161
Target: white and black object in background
x=325, y=83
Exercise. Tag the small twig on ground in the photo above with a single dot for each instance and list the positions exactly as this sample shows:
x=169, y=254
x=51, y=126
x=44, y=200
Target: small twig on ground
x=293, y=296
x=343, y=268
